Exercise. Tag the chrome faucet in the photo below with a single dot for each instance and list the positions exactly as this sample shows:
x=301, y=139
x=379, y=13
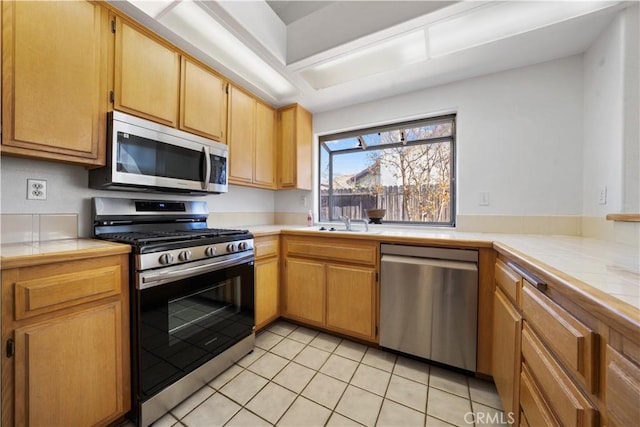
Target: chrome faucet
x=346, y=220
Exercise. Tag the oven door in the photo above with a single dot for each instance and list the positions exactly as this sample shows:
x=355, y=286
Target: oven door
x=188, y=319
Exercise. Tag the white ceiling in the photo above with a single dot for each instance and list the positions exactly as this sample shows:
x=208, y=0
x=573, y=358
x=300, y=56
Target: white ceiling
x=290, y=11
x=294, y=36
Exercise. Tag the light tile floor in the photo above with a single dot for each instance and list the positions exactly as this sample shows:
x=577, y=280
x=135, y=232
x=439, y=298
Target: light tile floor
x=300, y=377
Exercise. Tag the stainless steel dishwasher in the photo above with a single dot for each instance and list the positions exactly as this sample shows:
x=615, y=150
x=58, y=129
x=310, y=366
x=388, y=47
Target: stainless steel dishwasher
x=429, y=303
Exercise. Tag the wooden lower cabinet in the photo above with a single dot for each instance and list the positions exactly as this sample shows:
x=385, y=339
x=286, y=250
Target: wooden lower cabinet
x=507, y=327
x=351, y=299
x=267, y=280
x=622, y=389
x=568, y=403
x=535, y=411
x=332, y=284
x=305, y=291
x=67, y=360
x=71, y=359
x=266, y=292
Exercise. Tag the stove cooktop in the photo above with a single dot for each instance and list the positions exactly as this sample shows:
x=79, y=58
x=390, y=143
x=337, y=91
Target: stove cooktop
x=156, y=241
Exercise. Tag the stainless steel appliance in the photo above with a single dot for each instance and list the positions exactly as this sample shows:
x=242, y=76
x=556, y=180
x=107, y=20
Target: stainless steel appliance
x=429, y=302
x=191, y=296
x=143, y=155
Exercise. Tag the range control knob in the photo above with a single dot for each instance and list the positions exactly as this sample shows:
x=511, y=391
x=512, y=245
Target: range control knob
x=185, y=255
x=242, y=246
x=231, y=247
x=210, y=251
x=166, y=259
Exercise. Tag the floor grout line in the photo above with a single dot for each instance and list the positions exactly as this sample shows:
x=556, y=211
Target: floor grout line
x=332, y=411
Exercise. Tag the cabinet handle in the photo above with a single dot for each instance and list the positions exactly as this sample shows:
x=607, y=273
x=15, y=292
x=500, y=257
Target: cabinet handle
x=540, y=284
x=11, y=347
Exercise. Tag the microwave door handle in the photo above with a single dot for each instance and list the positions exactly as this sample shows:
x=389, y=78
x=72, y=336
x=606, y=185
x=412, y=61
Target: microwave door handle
x=207, y=168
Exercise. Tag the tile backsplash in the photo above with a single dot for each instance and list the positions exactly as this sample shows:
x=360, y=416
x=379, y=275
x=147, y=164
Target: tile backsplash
x=20, y=228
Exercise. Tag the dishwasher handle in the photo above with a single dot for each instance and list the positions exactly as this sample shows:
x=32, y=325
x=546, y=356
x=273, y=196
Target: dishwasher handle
x=431, y=262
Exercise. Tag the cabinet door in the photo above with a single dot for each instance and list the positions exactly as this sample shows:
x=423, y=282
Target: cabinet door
x=147, y=74
x=507, y=329
x=351, y=300
x=622, y=389
x=69, y=370
x=203, y=102
x=295, y=139
x=266, y=292
x=265, y=150
x=304, y=293
x=287, y=151
x=55, y=80
x=303, y=160
x=241, y=136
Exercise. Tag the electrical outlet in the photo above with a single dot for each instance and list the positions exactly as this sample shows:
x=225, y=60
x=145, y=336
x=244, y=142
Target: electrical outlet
x=484, y=198
x=602, y=195
x=36, y=189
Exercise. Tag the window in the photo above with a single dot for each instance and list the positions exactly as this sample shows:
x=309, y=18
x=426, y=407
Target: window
x=406, y=168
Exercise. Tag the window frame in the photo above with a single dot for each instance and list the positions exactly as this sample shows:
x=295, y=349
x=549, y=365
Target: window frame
x=449, y=118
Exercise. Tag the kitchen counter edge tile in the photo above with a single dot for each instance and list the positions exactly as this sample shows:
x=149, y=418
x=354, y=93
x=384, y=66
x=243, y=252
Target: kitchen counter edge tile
x=15, y=255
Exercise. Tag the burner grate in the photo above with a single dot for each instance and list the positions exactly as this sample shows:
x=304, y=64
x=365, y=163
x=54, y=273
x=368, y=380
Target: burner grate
x=141, y=238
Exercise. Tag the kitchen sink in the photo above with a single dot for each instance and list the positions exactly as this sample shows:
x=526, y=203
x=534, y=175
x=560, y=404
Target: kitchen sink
x=344, y=230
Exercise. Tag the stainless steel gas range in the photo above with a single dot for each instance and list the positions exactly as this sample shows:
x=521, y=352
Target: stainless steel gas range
x=192, y=297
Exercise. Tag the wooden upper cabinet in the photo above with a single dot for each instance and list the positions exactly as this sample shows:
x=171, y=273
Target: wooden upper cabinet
x=203, y=101
x=251, y=141
x=147, y=75
x=295, y=140
x=55, y=80
x=241, y=136
x=265, y=146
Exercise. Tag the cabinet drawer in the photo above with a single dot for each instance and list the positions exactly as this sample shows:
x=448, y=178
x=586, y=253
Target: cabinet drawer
x=535, y=411
x=266, y=246
x=573, y=342
x=622, y=389
x=363, y=253
x=568, y=403
x=45, y=294
x=508, y=280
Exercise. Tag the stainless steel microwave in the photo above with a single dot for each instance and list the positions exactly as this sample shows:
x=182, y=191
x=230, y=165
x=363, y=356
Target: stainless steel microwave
x=147, y=156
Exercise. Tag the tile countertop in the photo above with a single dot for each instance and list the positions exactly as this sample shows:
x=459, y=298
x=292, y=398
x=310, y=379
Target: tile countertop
x=601, y=268
x=33, y=253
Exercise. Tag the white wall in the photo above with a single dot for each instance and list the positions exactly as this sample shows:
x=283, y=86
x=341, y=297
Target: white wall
x=631, y=195
x=603, y=120
x=68, y=192
x=519, y=135
x=611, y=136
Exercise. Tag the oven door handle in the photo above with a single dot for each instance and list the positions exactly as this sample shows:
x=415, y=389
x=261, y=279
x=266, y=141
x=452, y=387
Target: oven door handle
x=149, y=280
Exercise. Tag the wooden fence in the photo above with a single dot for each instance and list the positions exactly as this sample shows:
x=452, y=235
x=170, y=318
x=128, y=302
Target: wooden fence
x=425, y=204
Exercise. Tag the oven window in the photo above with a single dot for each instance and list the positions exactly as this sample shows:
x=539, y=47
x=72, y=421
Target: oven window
x=186, y=323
